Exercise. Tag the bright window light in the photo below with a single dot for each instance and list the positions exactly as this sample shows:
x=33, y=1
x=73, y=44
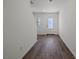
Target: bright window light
x=50, y=23
x=38, y=21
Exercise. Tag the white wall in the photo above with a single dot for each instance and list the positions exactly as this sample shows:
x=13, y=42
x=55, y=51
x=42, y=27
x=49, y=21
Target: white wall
x=19, y=28
x=67, y=25
x=43, y=28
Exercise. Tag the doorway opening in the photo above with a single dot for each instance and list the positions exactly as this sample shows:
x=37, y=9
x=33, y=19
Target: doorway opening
x=47, y=23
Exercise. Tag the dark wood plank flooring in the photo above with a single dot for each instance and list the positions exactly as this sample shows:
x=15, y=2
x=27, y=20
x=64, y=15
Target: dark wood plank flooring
x=49, y=47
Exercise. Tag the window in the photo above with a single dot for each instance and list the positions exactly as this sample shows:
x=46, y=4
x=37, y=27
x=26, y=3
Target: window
x=38, y=21
x=50, y=23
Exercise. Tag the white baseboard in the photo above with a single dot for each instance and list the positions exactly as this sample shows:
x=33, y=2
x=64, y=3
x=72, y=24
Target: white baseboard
x=30, y=46
x=67, y=46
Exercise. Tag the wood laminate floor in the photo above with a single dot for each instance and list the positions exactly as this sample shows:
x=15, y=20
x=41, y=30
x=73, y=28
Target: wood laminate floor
x=49, y=47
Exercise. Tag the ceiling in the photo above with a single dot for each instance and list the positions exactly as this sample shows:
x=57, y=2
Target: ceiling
x=46, y=5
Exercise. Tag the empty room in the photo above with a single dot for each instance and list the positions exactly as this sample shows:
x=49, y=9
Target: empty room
x=39, y=29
